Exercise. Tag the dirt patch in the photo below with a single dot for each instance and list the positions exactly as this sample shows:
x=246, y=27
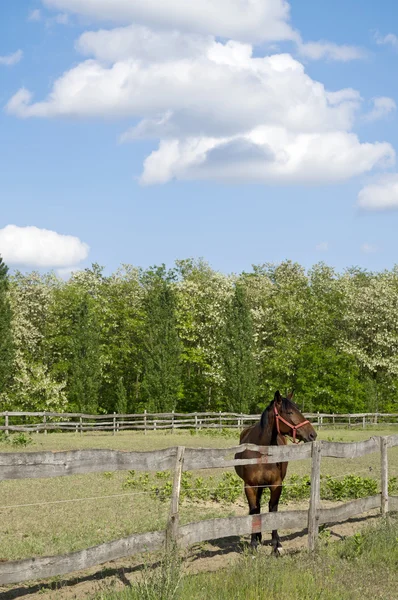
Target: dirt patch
x=204, y=557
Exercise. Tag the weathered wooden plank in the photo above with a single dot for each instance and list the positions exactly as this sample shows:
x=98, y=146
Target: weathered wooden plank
x=392, y=440
x=31, y=465
x=217, y=528
x=209, y=458
x=393, y=503
x=313, y=512
x=350, y=449
x=173, y=522
x=384, y=475
x=349, y=509
x=51, y=566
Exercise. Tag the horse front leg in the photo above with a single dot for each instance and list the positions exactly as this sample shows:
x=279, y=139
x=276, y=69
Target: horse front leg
x=253, y=495
x=273, y=507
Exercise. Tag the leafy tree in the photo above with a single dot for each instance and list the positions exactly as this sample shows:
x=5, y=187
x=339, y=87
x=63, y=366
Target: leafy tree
x=121, y=318
x=121, y=398
x=202, y=297
x=32, y=386
x=240, y=374
x=73, y=344
x=6, y=337
x=161, y=351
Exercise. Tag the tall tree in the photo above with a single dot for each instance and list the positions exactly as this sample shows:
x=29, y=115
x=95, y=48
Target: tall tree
x=73, y=342
x=202, y=298
x=6, y=337
x=161, y=352
x=240, y=374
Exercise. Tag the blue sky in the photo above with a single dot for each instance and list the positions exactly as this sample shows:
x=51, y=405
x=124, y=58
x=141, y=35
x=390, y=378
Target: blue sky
x=237, y=156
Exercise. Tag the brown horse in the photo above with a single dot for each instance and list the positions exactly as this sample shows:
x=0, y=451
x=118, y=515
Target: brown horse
x=281, y=418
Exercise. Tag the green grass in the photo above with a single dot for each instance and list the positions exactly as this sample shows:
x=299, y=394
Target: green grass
x=362, y=567
x=59, y=528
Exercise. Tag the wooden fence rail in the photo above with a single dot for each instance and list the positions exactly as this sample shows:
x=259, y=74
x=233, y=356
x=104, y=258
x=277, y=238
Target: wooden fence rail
x=79, y=422
x=22, y=465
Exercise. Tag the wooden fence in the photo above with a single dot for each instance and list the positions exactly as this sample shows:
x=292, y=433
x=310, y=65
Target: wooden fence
x=28, y=465
x=79, y=423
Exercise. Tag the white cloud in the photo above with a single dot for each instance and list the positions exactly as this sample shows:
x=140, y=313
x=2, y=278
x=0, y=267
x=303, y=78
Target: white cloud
x=322, y=247
x=382, y=106
x=247, y=20
x=387, y=40
x=328, y=50
x=35, y=15
x=369, y=248
x=380, y=195
x=266, y=155
x=34, y=247
x=203, y=92
x=61, y=19
x=218, y=109
x=11, y=59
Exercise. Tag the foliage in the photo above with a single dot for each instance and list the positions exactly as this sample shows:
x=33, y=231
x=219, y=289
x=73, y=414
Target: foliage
x=239, y=367
x=360, y=567
x=161, y=384
x=6, y=336
x=193, y=339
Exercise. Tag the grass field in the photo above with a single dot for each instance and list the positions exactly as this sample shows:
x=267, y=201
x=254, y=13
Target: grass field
x=48, y=525
x=361, y=567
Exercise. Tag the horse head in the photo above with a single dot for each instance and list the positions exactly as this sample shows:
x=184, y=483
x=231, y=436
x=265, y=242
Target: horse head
x=288, y=419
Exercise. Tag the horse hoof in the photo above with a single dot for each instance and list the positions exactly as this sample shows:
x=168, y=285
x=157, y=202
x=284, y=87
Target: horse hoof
x=279, y=551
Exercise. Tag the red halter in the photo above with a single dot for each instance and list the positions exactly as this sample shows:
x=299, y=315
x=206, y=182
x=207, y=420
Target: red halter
x=292, y=427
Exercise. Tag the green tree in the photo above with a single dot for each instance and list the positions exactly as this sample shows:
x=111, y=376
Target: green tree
x=6, y=337
x=202, y=298
x=240, y=374
x=32, y=386
x=74, y=346
x=161, y=351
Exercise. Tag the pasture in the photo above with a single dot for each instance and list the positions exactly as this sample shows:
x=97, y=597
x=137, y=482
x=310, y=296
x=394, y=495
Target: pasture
x=84, y=510
x=362, y=567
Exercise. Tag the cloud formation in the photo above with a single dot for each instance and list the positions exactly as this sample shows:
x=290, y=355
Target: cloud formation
x=387, y=40
x=218, y=109
x=382, y=194
x=11, y=59
x=328, y=50
x=245, y=20
x=382, y=107
x=34, y=247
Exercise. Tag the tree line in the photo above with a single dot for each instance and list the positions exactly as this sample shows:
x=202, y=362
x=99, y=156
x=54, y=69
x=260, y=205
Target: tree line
x=192, y=339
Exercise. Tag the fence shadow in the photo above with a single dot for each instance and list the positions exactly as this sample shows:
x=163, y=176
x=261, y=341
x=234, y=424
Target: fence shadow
x=217, y=547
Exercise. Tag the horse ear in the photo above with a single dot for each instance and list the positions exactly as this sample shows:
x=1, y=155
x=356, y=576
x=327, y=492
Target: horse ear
x=277, y=397
x=290, y=396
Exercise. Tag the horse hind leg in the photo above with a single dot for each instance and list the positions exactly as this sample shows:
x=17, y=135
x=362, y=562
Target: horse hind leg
x=253, y=495
x=273, y=507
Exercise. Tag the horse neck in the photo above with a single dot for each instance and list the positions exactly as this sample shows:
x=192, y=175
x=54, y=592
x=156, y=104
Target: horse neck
x=269, y=435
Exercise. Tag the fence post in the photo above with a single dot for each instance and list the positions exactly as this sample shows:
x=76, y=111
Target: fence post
x=145, y=422
x=220, y=425
x=172, y=420
x=6, y=423
x=319, y=421
x=81, y=425
x=114, y=423
x=363, y=422
x=172, y=524
x=313, y=516
x=196, y=423
x=241, y=420
x=45, y=423
x=384, y=475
